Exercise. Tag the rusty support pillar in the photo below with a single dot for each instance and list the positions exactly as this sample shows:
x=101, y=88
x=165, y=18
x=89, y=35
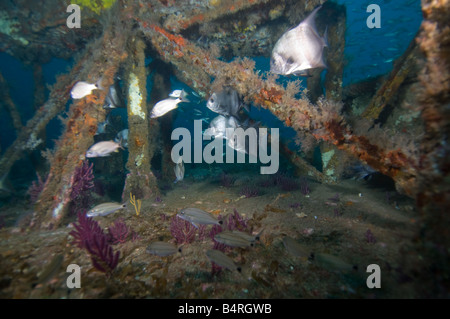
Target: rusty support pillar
x=314, y=86
x=163, y=125
x=433, y=199
x=336, y=19
x=196, y=67
x=84, y=114
x=402, y=68
x=334, y=16
x=140, y=180
x=9, y=104
x=39, y=87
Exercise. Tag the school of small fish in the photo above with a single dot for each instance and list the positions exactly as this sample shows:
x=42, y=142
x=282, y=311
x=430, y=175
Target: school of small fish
x=228, y=105
x=296, y=51
x=225, y=102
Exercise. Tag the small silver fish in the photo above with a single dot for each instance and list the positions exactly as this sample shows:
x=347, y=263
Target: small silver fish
x=162, y=249
x=114, y=98
x=82, y=89
x=101, y=127
x=233, y=239
x=219, y=125
x=249, y=237
x=299, y=49
x=238, y=141
x=122, y=138
x=105, y=209
x=167, y=105
x=102, y=149
x=176, y=93
x=332, y=263
x=294, y=248
x=219, y=258
x=198, y=217
x=179, y=170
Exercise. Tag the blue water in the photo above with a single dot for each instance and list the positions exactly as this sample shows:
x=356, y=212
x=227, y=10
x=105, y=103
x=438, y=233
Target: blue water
x=371, y=52
x=368, y=52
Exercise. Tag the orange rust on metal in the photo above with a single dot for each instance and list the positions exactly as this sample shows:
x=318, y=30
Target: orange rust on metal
x=288, y=121
x=271, y=96
x=178, y=39
x=193, y=20
x=138, y=142
x=218, y=10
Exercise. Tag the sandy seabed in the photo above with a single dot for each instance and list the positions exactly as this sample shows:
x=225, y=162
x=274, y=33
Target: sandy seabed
x=343, y=237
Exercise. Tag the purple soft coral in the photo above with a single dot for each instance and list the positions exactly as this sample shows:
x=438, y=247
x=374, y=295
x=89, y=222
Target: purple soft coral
x=304, y=186
x=83, y=181
x=119, y=232
x=89, y=235
x=370, y=237
x=182, y=230
x=84, y=230
x=234, y=222
x=102, y=255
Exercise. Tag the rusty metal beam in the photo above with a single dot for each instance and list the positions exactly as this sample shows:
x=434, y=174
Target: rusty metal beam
x=196, y=68
x=140, y=180
x=7, y=102
x=402, y=69
x=84, y=114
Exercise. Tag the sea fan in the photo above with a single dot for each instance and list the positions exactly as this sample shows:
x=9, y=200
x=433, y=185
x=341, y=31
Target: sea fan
x=83, y=182
x=90, y=236
x=182, y=230
x=119, y=232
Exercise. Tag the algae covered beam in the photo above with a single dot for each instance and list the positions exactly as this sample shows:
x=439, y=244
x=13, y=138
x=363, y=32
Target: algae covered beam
x=336, y=20
x=81, y=125
x=216, y=9
x=140, y=179
x=402, y=68
x=27, y=136
x=9, y=104
x=434, y=188
x=196, y=67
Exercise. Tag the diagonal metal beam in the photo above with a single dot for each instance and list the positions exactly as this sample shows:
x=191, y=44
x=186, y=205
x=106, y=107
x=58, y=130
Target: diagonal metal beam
x=197, y=68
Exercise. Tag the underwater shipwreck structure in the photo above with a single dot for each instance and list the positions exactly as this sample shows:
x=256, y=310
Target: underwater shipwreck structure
x=191, y=41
